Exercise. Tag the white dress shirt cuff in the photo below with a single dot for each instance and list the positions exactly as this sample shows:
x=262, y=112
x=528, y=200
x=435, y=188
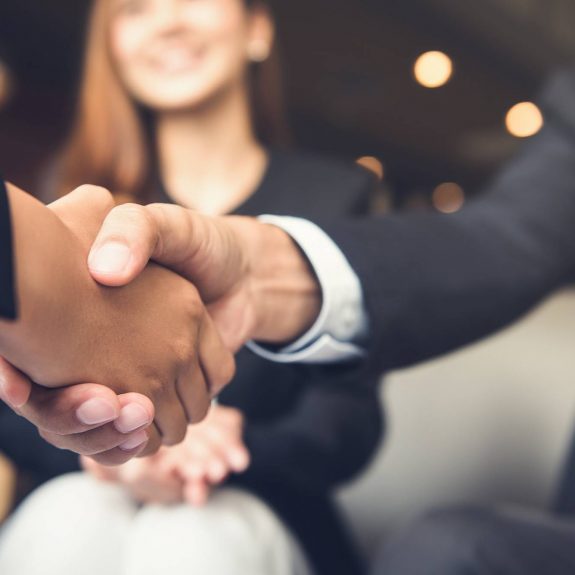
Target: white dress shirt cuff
x=342, y=323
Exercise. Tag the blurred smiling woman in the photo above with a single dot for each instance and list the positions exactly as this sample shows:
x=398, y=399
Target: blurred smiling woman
x=169, y=93
x=180, y=103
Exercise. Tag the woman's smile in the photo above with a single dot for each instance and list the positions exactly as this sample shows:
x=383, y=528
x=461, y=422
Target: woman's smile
x=175, y=59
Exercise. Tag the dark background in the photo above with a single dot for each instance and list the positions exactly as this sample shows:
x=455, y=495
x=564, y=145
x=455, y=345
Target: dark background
x=348, y=68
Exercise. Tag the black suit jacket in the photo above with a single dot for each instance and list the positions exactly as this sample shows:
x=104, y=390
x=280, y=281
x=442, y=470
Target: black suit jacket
x=436, y=282
x=7, y=296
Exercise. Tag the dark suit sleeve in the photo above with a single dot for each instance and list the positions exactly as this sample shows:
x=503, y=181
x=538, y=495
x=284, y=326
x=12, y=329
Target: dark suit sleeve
x=433, y=283
x=327, y=439
x=7, y=297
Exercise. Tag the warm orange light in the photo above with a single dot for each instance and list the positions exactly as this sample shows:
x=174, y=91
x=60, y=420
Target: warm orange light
x=524, y=120
x=448, y=198
x=433, y=69
x=373, y=165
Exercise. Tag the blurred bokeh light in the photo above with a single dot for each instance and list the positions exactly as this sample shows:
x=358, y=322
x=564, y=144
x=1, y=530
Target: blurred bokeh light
x=524, y=120
x=448, y=198
x=433, y=69
x=372, y=164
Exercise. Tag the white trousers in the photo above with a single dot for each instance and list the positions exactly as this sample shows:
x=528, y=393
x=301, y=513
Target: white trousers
x=76, y=525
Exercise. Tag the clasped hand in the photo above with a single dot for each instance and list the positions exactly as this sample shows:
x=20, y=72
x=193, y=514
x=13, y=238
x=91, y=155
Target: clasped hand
x=150, y=346
x=210, y=453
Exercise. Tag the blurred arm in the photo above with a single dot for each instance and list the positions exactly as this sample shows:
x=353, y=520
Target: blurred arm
x=328, y=438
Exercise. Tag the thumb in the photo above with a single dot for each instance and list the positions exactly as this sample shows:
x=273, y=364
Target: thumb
x=124, y=245
x=132, y=235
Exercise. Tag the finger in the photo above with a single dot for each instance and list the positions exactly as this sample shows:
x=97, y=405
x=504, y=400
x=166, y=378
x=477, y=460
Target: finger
x=105, y=438
x=217, y=466
x=217, y=470
x=171, y=418
x=217, y=362
x=211, y=470
x=231, y=449
x=117, y=456
x=15, y=387
x=193, y=392
x=154, y=441
x=196, y=493
x=195, y=465
x=96, y=441
x=137, y=412
x=71, y=410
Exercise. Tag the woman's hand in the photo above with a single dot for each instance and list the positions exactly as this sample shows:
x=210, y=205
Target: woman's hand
x=212, y=451
x=147, y=480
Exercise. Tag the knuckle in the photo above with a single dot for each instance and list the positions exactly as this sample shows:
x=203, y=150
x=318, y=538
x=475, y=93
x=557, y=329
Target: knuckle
x=192, y=303
x=157, y=390
x=97, y=193
x=183, y=350
x=132, y=215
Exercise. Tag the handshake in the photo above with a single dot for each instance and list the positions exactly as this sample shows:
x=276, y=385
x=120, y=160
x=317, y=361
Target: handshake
x=130, y=315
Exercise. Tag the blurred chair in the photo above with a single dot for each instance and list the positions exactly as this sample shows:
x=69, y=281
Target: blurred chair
x=489, y=424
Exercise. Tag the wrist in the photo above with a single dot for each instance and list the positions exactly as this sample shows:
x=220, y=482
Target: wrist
x=284, y=291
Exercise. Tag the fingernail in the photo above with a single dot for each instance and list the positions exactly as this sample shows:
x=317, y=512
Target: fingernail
x=132, y=417
x=135, y=441
x=96, y=412
x=111, y=258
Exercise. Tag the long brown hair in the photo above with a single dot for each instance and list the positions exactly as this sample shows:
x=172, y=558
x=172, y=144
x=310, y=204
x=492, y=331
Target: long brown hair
x=110, y=141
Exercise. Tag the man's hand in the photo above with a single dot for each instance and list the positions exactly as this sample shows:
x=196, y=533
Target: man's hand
x=154, y=337
x=255, y=280
x=212, y=450
x=85, y=418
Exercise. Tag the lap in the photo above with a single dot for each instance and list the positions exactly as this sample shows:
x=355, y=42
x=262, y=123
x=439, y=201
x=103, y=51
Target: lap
x=76, y=517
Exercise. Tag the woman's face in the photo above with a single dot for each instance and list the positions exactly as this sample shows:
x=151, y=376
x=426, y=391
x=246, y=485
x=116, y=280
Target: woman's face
x=178, y=54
